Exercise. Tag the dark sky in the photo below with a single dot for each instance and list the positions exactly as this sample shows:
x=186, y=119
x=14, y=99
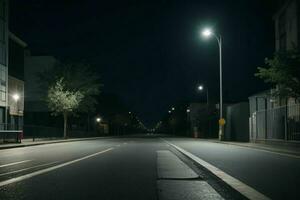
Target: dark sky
x=150, y=53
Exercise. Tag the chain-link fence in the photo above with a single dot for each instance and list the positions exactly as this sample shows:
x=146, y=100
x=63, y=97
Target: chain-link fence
x=281, y=123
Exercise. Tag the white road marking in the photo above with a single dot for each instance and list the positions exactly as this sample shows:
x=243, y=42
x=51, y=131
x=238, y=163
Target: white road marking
x=241, y=187
x=28, y=168
x=14, y=163
x=36, y=173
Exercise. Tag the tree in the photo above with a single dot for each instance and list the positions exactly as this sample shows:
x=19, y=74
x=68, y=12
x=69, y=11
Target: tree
x=63, y=101
x=74, y=79
x=283, y=73
x=77, y=77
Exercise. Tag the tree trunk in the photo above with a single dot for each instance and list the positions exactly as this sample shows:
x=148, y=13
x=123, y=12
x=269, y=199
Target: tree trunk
x=65, y=125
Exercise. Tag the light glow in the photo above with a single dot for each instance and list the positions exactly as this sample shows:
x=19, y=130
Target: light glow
x=98, y=119
x=200, y=87
x=207, y=32
x=16, y=97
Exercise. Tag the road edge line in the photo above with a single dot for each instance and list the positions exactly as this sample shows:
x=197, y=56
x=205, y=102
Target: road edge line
x=42, y=171
x=239, y=186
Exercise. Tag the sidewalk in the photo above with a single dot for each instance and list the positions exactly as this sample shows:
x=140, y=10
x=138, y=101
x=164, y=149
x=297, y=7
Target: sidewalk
x=284, y=149
x=40, y=141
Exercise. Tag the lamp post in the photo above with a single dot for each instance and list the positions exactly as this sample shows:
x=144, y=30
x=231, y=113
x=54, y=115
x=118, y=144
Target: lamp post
x=208, y=33
x=201, y=88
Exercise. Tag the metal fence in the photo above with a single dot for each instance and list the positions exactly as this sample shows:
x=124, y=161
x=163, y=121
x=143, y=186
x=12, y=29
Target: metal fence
x=10, y=133
x=281, y=123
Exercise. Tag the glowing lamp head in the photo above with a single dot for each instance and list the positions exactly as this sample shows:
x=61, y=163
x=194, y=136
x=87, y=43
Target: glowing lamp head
x=188, y=110
x=98, y=119
x=200, y=87
x=173, y=108
x=206, y=32
x=16, y=97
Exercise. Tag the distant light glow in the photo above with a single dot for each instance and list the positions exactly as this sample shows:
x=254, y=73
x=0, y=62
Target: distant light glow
x=188, y=110
x=169, y=111
x=207, y=32
x=98, y=119
x=200, y=87
x=16, y=97
x=173, y=108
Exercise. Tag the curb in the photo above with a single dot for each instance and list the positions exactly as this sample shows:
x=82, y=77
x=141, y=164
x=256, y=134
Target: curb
x=244, y=189
x=52, y=142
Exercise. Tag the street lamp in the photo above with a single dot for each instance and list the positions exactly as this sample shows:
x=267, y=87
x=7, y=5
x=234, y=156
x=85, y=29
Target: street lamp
x=207, y=33
x=201, y=88
x=173, y=108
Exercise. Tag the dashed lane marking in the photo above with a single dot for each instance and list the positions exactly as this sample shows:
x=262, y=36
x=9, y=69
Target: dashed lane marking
x=14, y=163
x=28, y=168
x=42, y=171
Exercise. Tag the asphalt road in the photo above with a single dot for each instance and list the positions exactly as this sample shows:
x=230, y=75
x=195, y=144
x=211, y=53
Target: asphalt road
x=126, y=168
x=274, y=175
x=121, y=169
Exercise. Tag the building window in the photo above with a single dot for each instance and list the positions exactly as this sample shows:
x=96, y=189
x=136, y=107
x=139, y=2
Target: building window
x=282, y=31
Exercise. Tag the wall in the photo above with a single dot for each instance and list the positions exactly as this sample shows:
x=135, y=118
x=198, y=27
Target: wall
x=237, y=122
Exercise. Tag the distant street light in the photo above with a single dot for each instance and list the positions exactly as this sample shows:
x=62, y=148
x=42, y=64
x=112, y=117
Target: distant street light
x=98, y=119
x=16, y=97
x=173, y=108
x=201, y=88
x=208, y=33
x=169, y=111
x=188, y=110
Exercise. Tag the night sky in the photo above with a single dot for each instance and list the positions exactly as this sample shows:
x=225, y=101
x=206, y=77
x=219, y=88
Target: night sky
x=150, y=53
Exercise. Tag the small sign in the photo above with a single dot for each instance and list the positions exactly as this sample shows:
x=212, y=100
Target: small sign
x=222, y=122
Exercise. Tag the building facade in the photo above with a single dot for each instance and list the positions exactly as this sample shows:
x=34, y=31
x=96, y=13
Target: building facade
x=277, y=118
x=3, y=62
x=33, y=94
x=16, y=50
